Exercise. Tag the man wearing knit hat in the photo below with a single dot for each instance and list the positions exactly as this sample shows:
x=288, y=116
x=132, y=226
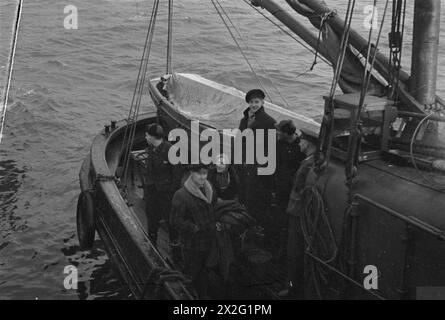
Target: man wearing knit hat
x=258, y=189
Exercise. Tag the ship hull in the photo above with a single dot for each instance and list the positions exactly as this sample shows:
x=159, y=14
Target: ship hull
x=119, y=221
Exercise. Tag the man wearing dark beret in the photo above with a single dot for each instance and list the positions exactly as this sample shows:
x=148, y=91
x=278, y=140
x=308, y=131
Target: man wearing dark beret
x=257, y=189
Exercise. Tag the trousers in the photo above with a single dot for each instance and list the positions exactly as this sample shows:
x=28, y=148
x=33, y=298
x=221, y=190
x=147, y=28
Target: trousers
x=157, y=208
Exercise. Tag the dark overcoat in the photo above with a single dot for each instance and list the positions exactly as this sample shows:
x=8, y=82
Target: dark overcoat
x=194, y=219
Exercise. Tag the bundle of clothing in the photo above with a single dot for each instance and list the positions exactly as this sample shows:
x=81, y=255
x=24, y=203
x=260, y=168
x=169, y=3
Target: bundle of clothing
x=233, y=216
x=234, y=222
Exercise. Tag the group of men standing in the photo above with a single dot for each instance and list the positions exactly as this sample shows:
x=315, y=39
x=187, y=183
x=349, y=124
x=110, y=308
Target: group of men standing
x=184, y=199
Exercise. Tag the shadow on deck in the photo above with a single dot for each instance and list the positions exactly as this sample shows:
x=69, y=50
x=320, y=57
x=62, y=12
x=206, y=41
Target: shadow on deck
x=260, y=280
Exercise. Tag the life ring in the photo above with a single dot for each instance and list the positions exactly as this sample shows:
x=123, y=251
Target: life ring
x=85, y=219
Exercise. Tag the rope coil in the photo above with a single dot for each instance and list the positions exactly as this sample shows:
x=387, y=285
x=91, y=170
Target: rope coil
x=314, y=213
x=313, y=219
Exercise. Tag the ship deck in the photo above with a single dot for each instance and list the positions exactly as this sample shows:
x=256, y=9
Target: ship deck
x=247, y=281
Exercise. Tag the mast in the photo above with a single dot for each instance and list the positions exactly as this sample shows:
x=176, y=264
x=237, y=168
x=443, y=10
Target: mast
x=425, y=45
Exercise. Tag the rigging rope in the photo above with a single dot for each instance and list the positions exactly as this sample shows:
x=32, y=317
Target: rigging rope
x=15, y=32
x=327, y=129
x=367, y=75
x=130, y=129
x=343, y=46
x=170, y=37
x=256, y=60
x=396, y=46
x=315, y=52
x=287, y=32
x=324, y=17
x=353, y=144
x=356, y=133
x=240, y=49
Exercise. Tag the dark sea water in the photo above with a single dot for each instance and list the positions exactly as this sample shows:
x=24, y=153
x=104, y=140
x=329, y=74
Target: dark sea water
x=68, y=83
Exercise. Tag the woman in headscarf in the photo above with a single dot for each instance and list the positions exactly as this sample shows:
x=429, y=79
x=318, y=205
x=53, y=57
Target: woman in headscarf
x=224, y=179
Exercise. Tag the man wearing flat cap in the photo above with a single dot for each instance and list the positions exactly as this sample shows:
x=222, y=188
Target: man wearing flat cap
x=295, y=247
x=289, y=157
x=258, y=189
x=308, y=145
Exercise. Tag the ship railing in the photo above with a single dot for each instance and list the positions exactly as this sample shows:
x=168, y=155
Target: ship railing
x=422, y=225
